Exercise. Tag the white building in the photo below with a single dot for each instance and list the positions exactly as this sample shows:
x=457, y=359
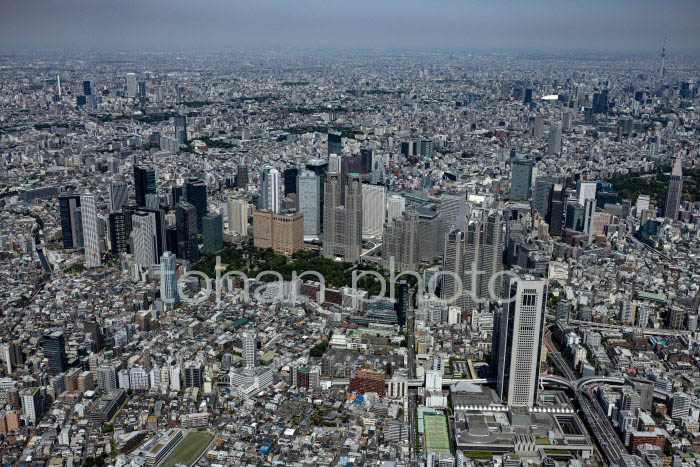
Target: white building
x=91, y=240
x=395, y=207
x=373, y=211
x=237, y=216
x=519, y=339
x=168, y=278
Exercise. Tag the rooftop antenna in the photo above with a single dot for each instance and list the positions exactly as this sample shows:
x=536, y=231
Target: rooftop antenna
x=663, y=59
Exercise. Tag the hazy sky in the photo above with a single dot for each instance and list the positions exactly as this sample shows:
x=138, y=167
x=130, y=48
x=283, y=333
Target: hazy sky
x=615, y=25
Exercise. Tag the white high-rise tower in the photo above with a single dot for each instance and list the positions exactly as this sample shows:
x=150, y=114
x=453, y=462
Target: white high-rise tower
x=91, y=240
x=519, y=339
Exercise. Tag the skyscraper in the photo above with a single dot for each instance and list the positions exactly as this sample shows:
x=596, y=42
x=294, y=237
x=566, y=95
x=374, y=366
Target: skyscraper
x=521, y=179
x=309, y=202
x=186, y=221
x=54, y=346
x=395, y=206
x=675, y=191
x=585, y=190
x=196, y=195
x=237, y=216
x=270, y=190
x=144, y=183
x=213, y=233
x=131, y=86
x=144, y=238
x=250, y=350
x=520, y=333
x=335, y=142
x=284, y=233
x=68, y=203
x=373, y=210
x=475, y=255
x=118, y=195
x=557, y=206
x=168, y=278
x=91, y=240
x=400, y=241
x=453, y=210
x=87, y=90
x=554, y=142
x=290, y=180
x=242, y=177
x=342, y=224
x=543, y=191
x=117, y=233
x=181, y=128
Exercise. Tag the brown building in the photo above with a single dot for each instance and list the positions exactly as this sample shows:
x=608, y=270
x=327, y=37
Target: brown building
x=284, y=233
x=9, y=421
x=366, y=380
x=86, y=381
x=72, y=380
x=655, y=438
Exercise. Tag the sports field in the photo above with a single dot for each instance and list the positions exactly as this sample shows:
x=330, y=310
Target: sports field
x=437, y=439
x=189, y=449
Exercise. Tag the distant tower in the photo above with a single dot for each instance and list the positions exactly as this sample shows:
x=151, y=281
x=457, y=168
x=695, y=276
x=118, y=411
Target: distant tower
x=675, y=190
x=58, y=85
x=663, y=59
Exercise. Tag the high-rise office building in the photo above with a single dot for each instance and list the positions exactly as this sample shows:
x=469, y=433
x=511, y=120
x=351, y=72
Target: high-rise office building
x=521, y=179
x=453, y=210
x=589, y=218
x=118, y=195
x=284, y=233
x=309, y=202
x=54, y=346
x=575, y=217
x=168, y=279
x=426, y=148
x=68, y=203
x=400, y=242
x=320, y=168
x=196, y=195
x=520, y=333
x=403, y=303
x=395, y=206
x=107, y=378
x=144, y=238
x=527, y=96
x=87, y=89
x=554, y=141
x=675, y=191
x=213, y=233
x=543, y=191
x=91, y=240
x=250, y=350
x=181, y=128
x=373, y=210
x=335, y=143
x=342, y=224
x=144, y=183
x=186, y=221
x=270, y=190
x=475, y=255
x=557, y=206
x=131, y=86
x=366, y=160
x=242, y=177
x=94, y=330
x=585, y=190
x=237, y=216
x=290, y=180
